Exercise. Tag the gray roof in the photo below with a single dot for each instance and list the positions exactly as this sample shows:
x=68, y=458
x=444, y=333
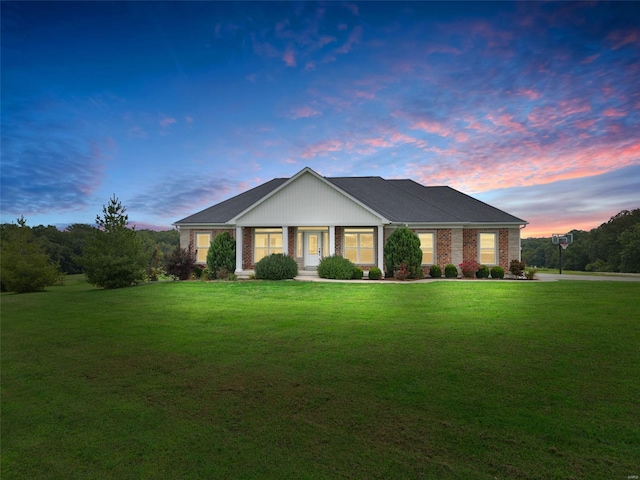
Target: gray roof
x=401, y=201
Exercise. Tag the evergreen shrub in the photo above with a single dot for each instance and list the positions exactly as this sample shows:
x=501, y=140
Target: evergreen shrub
x=451, y=271
x=497, y=272
x=221, y=256
x=357, y=273
x=402, y=253
x=482, y=272
x=336, y=267
x=276, y=267
x=435, y=271
x=375, y=273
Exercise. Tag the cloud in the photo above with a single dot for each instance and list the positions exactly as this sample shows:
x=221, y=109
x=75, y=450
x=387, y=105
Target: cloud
x=289, y=57
x=569, y=204
x=49, y=163
x=166, y=121
x=304, y=112
x=43, y=175
x=184, y=194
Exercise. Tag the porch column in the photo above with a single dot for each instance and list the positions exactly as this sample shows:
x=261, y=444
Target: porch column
x=381, y=248
x=285, y=240
x=238, y=249
x=332, y=239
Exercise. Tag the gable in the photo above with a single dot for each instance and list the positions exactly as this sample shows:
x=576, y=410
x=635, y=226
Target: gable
x=307, y=200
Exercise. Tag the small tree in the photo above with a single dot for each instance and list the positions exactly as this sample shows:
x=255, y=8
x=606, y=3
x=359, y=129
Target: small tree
x=25, y=267
x=221, y=257
x=403, y=250
x=113, y=256
x=179, y=264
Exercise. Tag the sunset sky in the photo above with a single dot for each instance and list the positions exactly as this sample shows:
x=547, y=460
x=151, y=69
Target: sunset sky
x=531, y=107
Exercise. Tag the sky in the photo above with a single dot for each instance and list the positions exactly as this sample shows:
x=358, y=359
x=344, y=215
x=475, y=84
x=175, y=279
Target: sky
x=175, y=106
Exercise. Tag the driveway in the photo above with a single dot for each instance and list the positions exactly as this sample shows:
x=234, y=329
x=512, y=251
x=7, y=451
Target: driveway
x=611, y=277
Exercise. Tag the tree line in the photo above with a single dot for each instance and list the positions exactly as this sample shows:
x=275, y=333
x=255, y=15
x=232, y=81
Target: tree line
x=34, y=257
x=614, y=246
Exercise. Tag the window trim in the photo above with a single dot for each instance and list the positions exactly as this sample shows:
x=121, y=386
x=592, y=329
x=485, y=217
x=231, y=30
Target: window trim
x=359, y=248
x=199, y=247
x=495, y=248
x=433, y=248
x=268, y=232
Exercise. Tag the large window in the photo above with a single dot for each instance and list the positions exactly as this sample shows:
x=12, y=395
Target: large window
x=267, y=241
x=358, y=245
x=428, y=248
x=203, y=241
x=488, y=248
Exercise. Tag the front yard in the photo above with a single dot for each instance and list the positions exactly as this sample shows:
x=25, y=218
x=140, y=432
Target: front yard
x=464, y=380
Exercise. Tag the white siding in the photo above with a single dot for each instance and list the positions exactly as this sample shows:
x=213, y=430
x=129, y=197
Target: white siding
x=308, y=201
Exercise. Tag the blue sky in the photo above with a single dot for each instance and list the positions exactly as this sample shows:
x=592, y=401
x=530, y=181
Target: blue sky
x=532, y=107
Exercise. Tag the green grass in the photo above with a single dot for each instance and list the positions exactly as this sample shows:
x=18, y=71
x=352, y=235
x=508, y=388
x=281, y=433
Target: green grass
x=468, y=380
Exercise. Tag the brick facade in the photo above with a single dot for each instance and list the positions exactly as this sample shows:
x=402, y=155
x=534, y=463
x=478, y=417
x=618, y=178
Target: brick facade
x=450, y=244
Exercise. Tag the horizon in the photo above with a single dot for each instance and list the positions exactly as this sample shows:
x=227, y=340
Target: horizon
x=533, y=108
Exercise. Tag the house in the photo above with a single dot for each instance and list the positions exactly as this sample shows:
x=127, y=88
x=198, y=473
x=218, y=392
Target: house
x=309, y=216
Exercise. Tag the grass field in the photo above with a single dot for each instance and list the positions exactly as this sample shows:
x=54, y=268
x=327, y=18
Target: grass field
x=452, y=379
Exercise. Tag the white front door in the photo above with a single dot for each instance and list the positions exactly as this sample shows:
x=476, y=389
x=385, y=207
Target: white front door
x=312, y=248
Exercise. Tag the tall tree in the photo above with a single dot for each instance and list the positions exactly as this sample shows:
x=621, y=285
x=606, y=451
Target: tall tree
x=113, y=256
x=25, y=264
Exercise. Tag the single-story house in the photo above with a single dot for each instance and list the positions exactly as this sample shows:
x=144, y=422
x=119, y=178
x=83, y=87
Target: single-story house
x=309, y=216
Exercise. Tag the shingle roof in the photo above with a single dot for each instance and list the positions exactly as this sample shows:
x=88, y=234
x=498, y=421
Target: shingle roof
x=401, y=201
x=224, y=211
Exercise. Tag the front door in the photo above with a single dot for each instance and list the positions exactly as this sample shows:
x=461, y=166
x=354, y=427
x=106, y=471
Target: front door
x=312, y=248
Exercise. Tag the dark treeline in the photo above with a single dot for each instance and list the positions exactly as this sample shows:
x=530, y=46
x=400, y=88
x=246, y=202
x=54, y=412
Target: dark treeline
x=614, y=246
x=65, y=248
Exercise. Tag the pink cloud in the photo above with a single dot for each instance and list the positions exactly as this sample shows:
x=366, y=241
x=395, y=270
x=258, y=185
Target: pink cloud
x=431, y=127
x=167, y=121
x=590, y=59
x=322, y=148
x=304, y=112
x=612, y=112
x=620, y=38
x=289, y=57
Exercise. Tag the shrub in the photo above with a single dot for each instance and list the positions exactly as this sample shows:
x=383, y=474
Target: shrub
x=469, y=268
x=497, y=272
x=222, y=255
x=435, y=271
x=197, y=272
x=375, y=273
x=357, y=273
x=451, y=271
x=530, y=273
x=516, y=267
x=179, y=264
x=482, y=272
x=336, y=267
x=276, y=267
x=403, y=250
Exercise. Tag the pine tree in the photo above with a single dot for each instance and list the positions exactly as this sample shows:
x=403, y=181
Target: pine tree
x=113, y=256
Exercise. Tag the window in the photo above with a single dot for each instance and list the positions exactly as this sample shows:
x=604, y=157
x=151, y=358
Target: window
x=267, y=241
x=358, y=245
x=203, y=241
x=488, y=248
x=427, y=247
x=299, y=252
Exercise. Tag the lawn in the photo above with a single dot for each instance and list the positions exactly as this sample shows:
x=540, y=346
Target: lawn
x=451, y=379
